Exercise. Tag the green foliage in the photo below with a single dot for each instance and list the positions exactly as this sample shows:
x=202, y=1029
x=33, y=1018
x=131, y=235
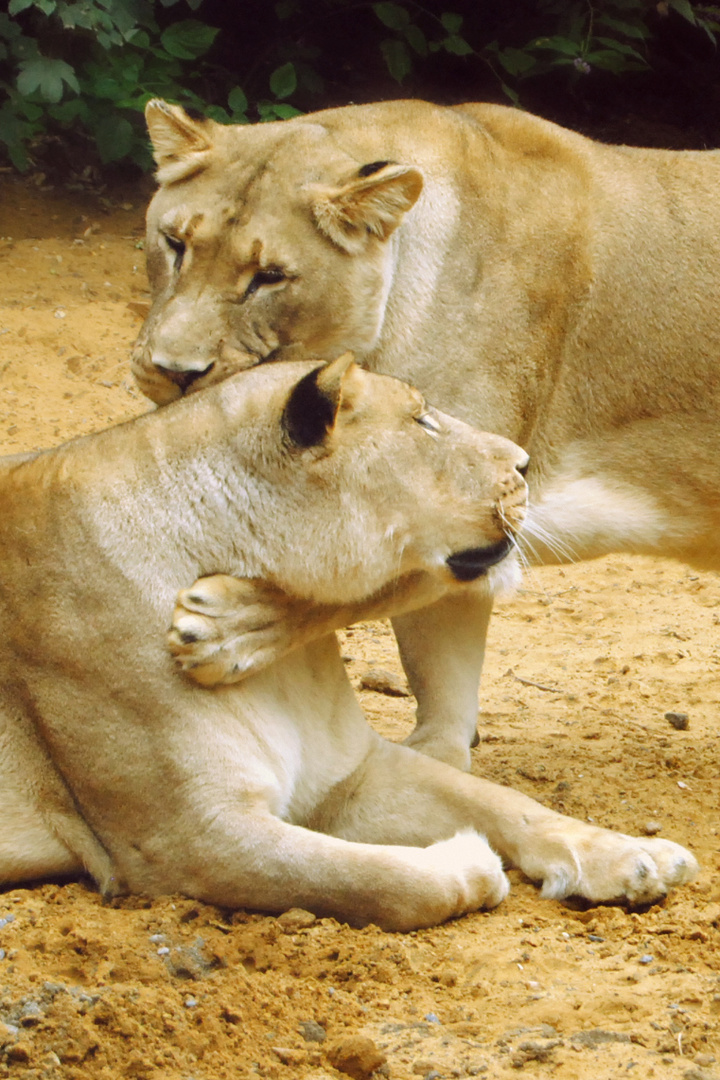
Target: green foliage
x=83, y=70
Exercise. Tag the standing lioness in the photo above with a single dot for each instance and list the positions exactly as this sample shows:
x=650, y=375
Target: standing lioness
x=527, y=279
x=324, y=483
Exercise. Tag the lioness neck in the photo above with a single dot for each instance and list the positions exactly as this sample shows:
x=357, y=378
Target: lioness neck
x=157, y=496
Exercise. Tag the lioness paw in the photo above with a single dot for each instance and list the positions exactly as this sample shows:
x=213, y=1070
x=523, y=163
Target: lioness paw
x=474, y=868
x=610, y=866
x=224, y=628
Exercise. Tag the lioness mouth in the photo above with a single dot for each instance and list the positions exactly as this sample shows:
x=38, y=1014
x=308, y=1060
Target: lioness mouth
x=472, y=563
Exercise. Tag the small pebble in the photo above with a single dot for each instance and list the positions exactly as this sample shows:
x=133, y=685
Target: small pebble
x=679, y=720
x=163, y=950
x=432, y=1018
x=650, y=828
x=647, y=958
x=190, y=1002
x=311, y=1031
x=356, y=1056
x=296, y=919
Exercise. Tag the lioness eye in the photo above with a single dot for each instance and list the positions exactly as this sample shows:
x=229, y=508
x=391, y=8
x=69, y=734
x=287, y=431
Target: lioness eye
x=429, y=422
x=264, y=277
x=178, y=247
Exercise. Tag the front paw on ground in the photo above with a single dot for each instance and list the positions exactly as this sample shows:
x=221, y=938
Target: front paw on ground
x=621, y=868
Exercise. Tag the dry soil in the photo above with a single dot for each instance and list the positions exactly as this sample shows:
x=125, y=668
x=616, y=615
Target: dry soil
x=583, y=665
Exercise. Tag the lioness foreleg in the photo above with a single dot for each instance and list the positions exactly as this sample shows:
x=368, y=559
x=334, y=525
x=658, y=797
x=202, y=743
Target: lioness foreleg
x=259, y=861
x=402, y=797
x=226, y=628
x=442, y=651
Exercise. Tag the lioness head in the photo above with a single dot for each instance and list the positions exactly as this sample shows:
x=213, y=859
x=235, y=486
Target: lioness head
x=263, y=242
x=354, y=481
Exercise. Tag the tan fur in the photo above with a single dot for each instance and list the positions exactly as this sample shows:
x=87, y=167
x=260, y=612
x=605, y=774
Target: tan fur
x=560, y=292
x=275, y=792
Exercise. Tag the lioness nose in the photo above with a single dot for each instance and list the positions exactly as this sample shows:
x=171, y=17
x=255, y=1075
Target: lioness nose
x=183, y=379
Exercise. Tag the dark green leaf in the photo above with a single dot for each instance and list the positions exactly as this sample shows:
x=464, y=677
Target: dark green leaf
x=139, y=39
x=189, y=39
x=451, y=22
x=68, y=111
x=9, y=29
x=684, y=8
x=283, y=81
x=631, y=30
x=619, y=46
x=559, y=44
x=397, y=58
x=216, y=112
x=284, y=111
x=416, y=39
x=114, y=138
x=16, y=6
x=607, y=60
x=393, y=16
x=237, y=101
x=14, y=132
x=47, y=77
x=31, y=111
x=457, y=45
x=510, y=93
x=516, y=61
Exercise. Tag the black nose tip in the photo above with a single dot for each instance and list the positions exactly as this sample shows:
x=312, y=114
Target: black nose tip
x=474, y=562
x=183, y=379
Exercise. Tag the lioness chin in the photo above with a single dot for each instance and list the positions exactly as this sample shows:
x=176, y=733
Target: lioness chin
x=273, y=793
x=527, y=279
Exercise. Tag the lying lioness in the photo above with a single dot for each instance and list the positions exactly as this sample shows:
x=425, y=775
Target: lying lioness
x=526, y=279
x=319, y=483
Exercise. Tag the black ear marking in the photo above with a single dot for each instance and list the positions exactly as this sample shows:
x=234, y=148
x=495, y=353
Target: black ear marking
x=373, y=167
x=309, y=413
x=194, y=113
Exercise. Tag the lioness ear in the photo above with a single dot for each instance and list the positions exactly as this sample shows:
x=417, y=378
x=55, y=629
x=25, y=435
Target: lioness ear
x=311, y=410
x=373, y=202
x=181, y=145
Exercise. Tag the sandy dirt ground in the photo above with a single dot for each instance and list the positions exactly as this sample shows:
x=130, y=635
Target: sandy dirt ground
x=583, y=665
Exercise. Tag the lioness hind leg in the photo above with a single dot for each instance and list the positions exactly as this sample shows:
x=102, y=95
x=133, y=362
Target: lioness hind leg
x=28, y=848
x=401, y=797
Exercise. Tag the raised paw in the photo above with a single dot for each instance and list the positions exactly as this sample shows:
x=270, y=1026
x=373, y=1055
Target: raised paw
x=607, y=866
x=225, y=628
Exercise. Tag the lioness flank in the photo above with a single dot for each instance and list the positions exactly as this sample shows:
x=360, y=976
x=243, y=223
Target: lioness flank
x=315, y=483
x=528, y=280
